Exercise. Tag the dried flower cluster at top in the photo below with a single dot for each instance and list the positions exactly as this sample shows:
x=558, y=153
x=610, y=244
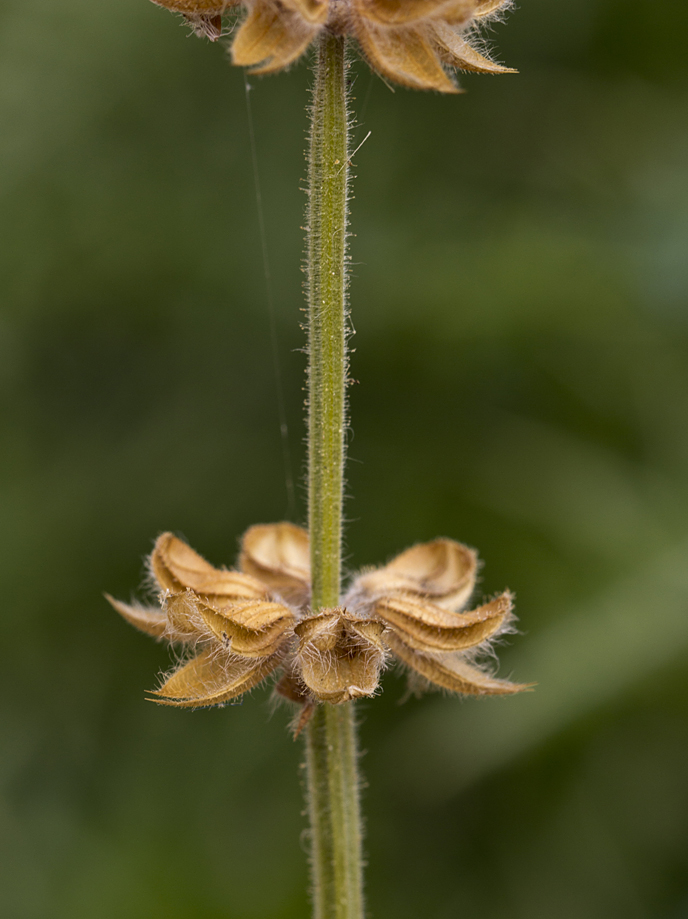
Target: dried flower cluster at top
x=240, y=626
x=412, y=42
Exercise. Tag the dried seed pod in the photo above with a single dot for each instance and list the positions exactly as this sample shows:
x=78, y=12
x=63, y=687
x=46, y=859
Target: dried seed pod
x=339, y=657
x=418, y=596
x=240, y=634
x=241, y=626
x=415, y=42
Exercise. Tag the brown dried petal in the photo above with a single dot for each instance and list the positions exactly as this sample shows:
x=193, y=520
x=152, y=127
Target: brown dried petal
x=452, y=671
x=144, y=618
x=429, y=628
x=278, y=554
x=393, y=12
x=176, y=566
x=211, y=679
x=404, y=55
x=340, y=656
x=273, y=35
x=459, y=53
x=443, y=570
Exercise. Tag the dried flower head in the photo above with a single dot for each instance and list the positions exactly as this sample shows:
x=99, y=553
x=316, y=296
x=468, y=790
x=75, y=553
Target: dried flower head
x=412, y=42
x=238, y=627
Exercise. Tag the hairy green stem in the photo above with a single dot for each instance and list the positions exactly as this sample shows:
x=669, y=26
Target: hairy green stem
x=333, y=806
x=331, y=754
x=328, y=180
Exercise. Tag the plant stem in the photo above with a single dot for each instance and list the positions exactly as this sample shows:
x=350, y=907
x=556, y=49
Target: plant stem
x=331, y=754
x=328, y=179
x=333, y=806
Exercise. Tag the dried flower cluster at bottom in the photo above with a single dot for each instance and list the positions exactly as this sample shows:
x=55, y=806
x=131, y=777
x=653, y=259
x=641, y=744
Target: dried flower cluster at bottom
x=239, y=626
x=412, y=42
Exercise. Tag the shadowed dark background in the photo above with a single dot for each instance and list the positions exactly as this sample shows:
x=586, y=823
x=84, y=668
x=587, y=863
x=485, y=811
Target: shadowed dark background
x=520, y=300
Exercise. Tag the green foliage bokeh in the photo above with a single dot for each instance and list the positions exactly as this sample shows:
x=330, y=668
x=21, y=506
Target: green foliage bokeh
x=520, y=300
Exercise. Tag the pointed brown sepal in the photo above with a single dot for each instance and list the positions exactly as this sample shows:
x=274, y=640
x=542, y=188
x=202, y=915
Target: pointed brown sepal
x=393, y=12
x=255, y=629
x=452, y=671
x=459, y=53
x=144, y=618
x=403, y=54
x=278, y=554
x=271, y=36
x=340, y=656
x=212, y=679
x=397, y=36
x=454, y=13
x=249, y=628
x=425, y=627
x=304, y=716
x=184, y=621
x=291, y=688
x=315, y=11
x=488, y=7
x=176, y=567
x=442, y=571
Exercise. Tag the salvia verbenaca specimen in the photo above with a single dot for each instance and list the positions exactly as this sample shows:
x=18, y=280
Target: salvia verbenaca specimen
x=413, y=42
x=240, y=626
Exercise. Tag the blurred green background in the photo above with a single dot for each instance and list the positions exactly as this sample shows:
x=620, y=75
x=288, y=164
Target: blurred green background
x=520, y=298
